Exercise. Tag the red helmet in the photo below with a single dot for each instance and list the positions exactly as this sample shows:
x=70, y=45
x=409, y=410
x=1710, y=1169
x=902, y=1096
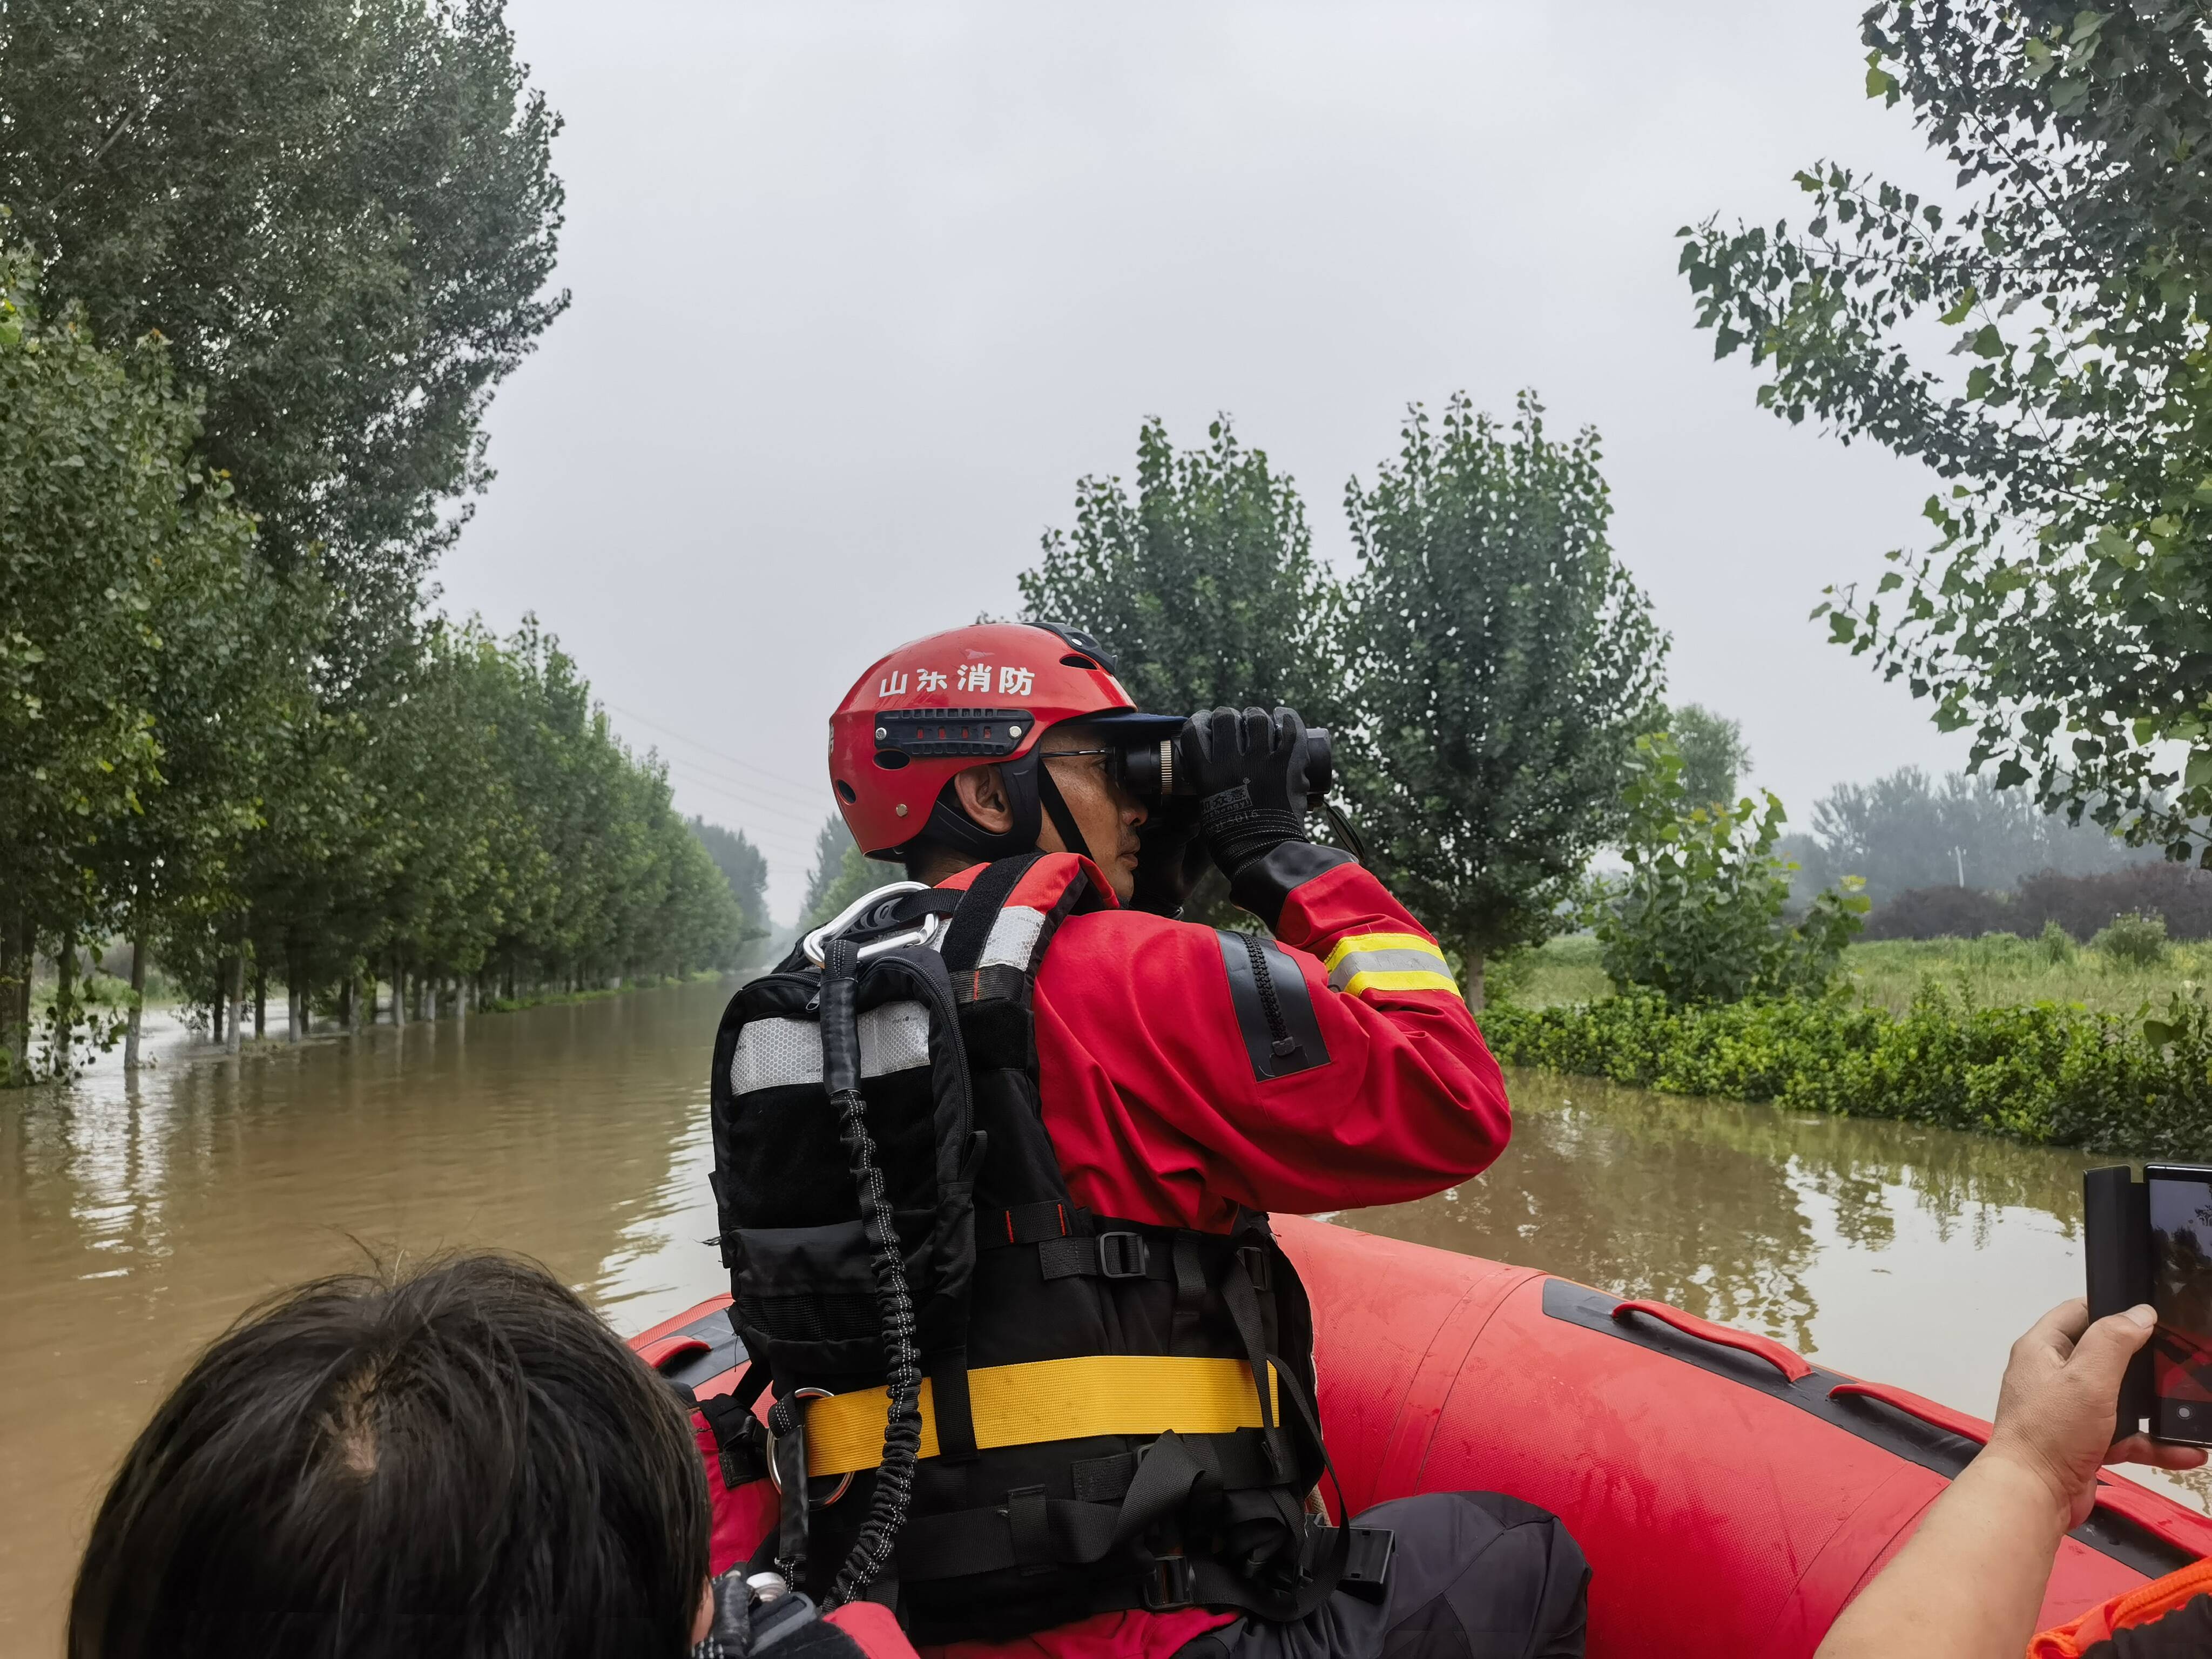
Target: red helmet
x=972, y=697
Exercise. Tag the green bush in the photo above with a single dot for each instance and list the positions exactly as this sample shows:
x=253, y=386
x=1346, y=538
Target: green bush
x=2134, y=938
x=2055, y=944
x=2051, y=1073
x=1698, y=917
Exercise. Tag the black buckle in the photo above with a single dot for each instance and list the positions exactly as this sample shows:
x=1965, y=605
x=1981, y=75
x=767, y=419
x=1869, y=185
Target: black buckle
x=1121, y=1255
x=1256, y=1267
x=1367, y=1561
x=1170, y=1585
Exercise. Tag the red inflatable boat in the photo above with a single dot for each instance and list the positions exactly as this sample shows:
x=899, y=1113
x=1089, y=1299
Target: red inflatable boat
x=1731, y=1497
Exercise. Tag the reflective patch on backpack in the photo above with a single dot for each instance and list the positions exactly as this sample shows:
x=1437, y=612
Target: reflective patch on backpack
x=1013, y=938
x=775, y=1054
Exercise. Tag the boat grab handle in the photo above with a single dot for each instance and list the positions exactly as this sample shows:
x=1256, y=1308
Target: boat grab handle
x=665, y=1353
x=1791, y=1364
x=1913, y=1405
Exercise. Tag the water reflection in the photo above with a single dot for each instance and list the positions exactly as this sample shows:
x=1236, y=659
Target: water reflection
x=137, y=1218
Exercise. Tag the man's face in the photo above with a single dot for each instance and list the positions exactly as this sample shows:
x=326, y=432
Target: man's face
x=1108, y=814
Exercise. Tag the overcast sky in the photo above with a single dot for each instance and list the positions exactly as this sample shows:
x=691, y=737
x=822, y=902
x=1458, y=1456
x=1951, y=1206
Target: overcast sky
x=860, y=291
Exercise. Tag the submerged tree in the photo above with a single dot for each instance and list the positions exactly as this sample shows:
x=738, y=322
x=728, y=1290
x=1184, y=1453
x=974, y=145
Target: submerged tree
x=2061, y=613
x=1503, y=663
x=121, y=564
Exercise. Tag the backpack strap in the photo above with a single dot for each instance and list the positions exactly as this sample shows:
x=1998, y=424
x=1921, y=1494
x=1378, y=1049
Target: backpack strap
x=978, y=912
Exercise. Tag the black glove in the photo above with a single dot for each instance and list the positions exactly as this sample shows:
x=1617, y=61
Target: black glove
x=1249, y=774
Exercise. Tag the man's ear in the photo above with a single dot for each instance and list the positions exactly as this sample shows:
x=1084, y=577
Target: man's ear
x=981, y=793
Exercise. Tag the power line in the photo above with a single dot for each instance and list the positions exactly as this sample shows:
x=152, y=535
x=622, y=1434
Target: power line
x=811, y=814
x=804, y=793
x=774, y=840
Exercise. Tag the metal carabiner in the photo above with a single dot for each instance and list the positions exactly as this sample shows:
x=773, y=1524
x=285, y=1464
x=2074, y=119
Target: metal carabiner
x=812, y=946
x=776, y=1480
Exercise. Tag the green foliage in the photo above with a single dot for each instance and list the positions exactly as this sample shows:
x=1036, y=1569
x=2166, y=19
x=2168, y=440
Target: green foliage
x=1502, y=663
x=1699, y=916
x=125, y=567
x=2136, y=939
x=1206, y=588
x=2055, y=944
x=2049, y=1072
x=1713, y=751
x=340, y=213
x=2058, y=613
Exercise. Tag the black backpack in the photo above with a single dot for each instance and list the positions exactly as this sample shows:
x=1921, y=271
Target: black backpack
x=995, y=1411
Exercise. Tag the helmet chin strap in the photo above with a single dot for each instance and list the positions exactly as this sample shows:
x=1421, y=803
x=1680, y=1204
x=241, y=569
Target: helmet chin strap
x=1056, y=804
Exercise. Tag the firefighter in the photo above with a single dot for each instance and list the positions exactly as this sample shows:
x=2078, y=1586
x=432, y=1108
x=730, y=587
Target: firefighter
x=1138, y=1092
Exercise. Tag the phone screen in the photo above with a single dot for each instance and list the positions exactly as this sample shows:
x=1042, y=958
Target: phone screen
x=2181, y=1291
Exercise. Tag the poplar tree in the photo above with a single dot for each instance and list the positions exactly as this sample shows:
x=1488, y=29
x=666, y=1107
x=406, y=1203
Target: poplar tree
x=1204, y=586
x=1503, y=663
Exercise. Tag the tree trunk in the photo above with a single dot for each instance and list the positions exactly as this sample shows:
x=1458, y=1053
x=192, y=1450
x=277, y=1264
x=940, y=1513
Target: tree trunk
x=16, y=1007
x=346, y=1001
x=236, y=1039
x=260, y=1002
x=137, y=994
x=295, y=1007
x=64, y=1000
x=1471, y=969
x=398, y=992
x=216, y=1008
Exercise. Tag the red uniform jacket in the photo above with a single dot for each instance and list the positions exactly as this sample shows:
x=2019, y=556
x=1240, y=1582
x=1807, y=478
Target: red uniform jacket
x=1152, y=1106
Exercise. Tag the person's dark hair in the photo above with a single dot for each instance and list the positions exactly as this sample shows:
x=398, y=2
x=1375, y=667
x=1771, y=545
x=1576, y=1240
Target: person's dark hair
x=460, y=1462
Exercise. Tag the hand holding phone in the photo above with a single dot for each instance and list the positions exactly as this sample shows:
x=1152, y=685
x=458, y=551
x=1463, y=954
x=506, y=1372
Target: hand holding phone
x=2054, y=1411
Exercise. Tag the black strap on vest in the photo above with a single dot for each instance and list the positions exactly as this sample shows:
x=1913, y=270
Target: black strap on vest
x=971, y=929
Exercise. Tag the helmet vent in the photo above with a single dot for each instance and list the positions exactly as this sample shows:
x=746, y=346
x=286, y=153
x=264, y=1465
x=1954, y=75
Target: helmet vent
x=890, y=759
x=846, y=792
x=1076, y=660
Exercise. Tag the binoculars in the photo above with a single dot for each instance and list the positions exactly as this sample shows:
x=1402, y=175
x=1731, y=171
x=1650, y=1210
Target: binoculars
x=1152, y=768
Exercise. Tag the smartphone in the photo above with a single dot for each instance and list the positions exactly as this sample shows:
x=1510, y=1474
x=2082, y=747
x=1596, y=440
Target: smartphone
x=2179, y=1202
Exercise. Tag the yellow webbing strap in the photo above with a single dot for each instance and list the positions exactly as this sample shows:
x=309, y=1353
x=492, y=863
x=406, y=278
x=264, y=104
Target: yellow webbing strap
x=1133, y=1393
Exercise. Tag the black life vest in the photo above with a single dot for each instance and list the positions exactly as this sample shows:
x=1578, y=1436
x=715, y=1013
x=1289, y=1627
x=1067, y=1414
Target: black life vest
x=1088, y=1431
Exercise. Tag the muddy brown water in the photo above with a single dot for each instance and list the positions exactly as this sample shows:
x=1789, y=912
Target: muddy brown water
x=137, y=1219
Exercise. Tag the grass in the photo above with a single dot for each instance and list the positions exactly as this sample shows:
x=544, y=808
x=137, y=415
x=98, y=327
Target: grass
x=1997, y=970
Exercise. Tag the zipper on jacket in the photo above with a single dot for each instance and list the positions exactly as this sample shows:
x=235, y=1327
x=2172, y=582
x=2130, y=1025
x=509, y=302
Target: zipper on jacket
x=1278, y=1029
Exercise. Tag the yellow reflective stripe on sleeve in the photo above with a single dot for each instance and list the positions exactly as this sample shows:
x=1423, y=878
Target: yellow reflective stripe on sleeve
x=1131, y=1394
x=1400, y=979
x=1352, y=944
x=1387, y=962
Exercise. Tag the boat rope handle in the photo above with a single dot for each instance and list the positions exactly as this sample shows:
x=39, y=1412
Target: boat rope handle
x=1790, y=1364
x=1913, y=1405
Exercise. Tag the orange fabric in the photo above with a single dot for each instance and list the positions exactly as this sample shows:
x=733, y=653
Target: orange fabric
x=2140, y=1606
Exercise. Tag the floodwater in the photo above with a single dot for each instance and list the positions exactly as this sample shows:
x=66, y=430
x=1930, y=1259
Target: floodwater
x=135, y=1220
